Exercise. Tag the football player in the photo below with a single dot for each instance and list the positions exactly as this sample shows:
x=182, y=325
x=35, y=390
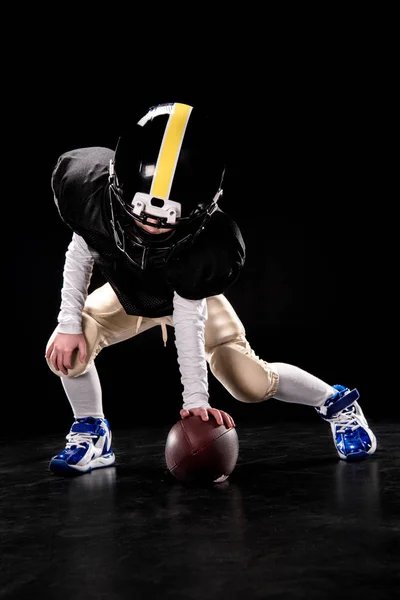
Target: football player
x=147, y=215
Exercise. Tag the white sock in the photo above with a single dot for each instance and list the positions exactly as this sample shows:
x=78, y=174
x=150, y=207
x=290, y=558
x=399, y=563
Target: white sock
x=84, y=394
x=299, y=387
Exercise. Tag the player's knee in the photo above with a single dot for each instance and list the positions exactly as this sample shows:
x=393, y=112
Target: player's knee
x=93, y=347
x=246, y=377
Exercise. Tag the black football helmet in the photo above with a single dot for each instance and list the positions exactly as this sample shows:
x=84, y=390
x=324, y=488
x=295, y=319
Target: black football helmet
x=167, y=172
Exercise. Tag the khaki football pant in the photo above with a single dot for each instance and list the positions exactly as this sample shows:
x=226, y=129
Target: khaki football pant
x=230, y=357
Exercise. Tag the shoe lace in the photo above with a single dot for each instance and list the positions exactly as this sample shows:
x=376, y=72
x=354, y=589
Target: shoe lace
x=79, y=438
x=346, y=420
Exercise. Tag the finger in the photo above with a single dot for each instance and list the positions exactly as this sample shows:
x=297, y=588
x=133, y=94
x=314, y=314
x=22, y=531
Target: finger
x=217, y=415
x=53, y=360
x=82, y=352
x=49, y=350
x=229, y=422
x=223, y=418
x=58, y=364
x=62, y=368
x=203, y=414
x=184, y=413
x=199, y=412
x=67, y=359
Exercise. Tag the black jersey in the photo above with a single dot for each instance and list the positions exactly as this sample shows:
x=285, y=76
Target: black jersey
x=205, y=267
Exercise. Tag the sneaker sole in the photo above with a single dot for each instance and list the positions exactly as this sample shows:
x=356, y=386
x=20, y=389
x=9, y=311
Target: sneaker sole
x=61, y=467
x=361, y=454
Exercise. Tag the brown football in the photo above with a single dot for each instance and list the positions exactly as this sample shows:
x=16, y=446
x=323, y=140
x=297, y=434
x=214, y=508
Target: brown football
x=201, y=451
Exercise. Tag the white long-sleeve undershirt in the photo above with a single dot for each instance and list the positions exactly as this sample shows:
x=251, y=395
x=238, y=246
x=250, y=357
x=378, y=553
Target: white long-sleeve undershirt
x=78, y=268
x=188, y=316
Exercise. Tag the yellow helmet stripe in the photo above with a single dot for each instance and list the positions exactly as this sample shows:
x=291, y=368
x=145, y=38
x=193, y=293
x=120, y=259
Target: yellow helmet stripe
x=169, y=151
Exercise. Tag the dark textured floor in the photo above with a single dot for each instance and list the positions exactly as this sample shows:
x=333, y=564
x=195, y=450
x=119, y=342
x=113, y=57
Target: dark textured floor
x=292, y=521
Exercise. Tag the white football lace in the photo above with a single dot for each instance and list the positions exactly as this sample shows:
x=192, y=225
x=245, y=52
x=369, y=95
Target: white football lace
x=346, y=419
x=79, y=438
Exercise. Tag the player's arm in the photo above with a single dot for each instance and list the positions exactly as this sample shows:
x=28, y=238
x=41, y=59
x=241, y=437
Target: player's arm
x=78, y=268
x=189, y=318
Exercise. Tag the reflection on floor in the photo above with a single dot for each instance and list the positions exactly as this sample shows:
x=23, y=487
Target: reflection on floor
x=292, y=521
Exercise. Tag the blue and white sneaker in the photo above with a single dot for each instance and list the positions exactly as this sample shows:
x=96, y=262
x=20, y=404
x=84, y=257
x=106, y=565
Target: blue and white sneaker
x=88, y=447
x=352, y=436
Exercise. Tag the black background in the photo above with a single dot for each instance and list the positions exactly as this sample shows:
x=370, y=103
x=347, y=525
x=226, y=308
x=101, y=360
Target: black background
x=304, y=183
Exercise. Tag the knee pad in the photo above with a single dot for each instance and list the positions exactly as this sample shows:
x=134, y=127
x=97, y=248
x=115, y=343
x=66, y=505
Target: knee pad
x=91, y=332
x=246, y=377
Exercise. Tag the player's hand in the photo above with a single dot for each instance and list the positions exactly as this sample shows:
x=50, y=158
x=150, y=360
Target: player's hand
x=203, y=412
x=60, y=352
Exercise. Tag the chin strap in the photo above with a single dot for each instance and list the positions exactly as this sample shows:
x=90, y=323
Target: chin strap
x=120, y=241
